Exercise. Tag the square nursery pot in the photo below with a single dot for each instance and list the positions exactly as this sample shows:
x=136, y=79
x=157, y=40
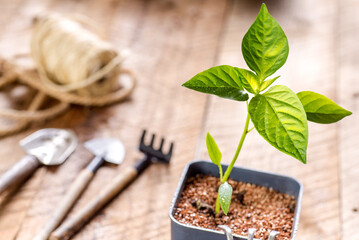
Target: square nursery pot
x=283, y=184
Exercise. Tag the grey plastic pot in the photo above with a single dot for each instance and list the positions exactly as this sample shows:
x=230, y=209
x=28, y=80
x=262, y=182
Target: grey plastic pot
x=284, y=184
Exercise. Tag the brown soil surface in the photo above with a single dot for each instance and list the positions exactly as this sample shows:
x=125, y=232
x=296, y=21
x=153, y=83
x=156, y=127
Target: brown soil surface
x=252, y=206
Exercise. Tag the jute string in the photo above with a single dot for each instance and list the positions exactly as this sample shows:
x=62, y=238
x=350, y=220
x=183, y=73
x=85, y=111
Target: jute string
x=73, y=65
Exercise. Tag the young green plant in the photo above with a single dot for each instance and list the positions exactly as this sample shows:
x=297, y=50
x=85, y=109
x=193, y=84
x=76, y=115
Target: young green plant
x=278, y=114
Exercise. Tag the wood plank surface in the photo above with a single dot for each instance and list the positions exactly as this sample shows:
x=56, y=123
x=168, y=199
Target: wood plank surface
x=171, y=41
x=348, y=138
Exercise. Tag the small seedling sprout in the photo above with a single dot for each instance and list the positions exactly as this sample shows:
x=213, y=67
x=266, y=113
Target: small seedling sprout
x=278, y=114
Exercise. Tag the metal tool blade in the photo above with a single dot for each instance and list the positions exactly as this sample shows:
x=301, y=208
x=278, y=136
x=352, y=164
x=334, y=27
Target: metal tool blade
x=112, y=149
x=51, y=146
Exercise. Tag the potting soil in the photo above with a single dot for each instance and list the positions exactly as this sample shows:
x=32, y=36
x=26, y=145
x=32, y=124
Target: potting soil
x=252, y=206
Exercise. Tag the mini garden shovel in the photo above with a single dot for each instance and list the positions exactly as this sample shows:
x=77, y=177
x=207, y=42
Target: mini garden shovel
x=105, y=150
x=48, y=146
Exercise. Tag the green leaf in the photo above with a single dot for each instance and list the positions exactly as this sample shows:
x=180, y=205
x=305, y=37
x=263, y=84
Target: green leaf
x=222, y=81
x=225, y=194
x=267, y=83
x=321, y=109
x=213, y=150
x=249, y=80
x=279, y=117
x=265, y=45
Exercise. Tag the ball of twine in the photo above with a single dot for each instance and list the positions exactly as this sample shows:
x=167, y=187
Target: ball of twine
x=74, y=65
x=71, y=58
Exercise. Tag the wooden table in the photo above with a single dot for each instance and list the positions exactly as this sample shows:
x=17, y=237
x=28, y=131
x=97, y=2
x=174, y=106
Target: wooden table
x=170, y=42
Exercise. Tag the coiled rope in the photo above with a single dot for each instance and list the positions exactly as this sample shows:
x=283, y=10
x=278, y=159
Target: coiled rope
x=73, y=65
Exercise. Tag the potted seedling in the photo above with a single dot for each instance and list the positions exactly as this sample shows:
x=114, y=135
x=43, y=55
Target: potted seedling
x=280, y=116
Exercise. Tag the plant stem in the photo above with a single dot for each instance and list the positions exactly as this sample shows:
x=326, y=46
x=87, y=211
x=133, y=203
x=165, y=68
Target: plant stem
x=218, y=205
x=244, y=134
x=230, y=167
x=220, y=173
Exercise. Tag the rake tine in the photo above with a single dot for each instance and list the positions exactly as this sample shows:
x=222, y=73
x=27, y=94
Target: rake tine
x=169, y=154
x=152, y=140
x=161, y=145
x=143, y=137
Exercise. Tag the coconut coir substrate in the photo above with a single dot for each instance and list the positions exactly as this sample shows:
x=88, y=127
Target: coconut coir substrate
x=252, y=206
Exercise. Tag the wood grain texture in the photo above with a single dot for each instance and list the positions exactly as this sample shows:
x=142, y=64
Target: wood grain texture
x=171, y=40
x=348, y=138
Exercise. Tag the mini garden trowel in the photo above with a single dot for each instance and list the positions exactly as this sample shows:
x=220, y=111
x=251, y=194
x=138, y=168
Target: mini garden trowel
x=105, y=150
x=49, y=146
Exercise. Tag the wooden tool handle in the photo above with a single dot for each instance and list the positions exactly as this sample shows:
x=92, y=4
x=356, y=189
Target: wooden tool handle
x=70, y=227
x=66, y=203
x=19, y=172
